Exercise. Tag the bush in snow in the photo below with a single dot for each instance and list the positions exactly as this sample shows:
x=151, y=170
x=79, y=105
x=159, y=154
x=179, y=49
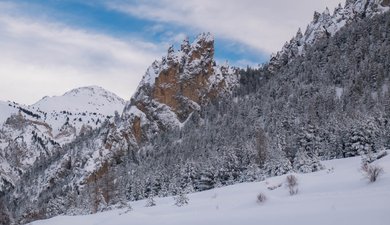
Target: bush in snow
x=292, y=184
x=261, y=198
x=181, y=199
x=371, y=172
x=150, y=202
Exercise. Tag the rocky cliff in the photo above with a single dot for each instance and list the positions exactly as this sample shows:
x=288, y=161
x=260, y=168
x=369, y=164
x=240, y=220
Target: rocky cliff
x=178, y=84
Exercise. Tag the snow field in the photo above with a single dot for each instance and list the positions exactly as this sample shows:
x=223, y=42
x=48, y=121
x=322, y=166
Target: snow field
x=337, y=195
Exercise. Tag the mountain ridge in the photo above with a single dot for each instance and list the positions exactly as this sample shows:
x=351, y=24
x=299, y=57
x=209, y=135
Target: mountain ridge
x=325, y=25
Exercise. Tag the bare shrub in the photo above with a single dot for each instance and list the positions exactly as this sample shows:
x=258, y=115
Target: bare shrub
x=371, y=172
x=292, y=184
x=261, y=198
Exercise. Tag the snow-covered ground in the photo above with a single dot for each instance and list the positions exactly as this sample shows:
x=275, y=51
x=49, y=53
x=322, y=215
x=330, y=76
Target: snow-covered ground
x=332, y=196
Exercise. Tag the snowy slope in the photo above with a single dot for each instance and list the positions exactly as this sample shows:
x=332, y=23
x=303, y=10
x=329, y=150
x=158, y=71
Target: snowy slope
x=91, y=99
x=338, y=195
x=78, y=108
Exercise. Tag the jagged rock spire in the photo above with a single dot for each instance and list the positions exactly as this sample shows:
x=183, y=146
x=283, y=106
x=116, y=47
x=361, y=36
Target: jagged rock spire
x=182, y=82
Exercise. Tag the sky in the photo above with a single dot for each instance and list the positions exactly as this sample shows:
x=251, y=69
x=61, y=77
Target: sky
x=48, y=47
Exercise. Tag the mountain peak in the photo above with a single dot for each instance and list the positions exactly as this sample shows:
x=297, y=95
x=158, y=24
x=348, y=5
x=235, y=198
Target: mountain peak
x=89, y=98
x=92, y=91
x=92, y=88
x=200, y=50
x=204, y=40
x=182, y=76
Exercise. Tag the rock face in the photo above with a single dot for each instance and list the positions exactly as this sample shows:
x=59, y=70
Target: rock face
x=178, y=84
x=325, y=25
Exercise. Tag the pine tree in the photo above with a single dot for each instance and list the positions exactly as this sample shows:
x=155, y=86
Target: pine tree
x=181, y=199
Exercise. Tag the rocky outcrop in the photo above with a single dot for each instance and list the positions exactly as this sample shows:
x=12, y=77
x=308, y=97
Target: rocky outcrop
x=177, y=85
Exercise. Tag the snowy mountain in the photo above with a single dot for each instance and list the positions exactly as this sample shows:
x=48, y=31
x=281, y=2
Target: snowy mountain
x=32, y=133
x=66, y=116
x=193, y=125
x=84, y=99
x=340, y=192
x=80, y=109
x=325, y=25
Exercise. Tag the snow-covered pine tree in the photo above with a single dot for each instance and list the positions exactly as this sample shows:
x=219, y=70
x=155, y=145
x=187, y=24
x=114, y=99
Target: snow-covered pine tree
x=181, y=199
x=150, y=202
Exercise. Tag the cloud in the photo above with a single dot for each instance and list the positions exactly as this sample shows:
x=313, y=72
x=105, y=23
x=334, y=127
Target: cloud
x=261, y=24
x=39, y=58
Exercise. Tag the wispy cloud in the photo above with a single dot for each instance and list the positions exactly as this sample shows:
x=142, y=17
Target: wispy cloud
x=39, y=58
x=44, y=51
x=261, y=24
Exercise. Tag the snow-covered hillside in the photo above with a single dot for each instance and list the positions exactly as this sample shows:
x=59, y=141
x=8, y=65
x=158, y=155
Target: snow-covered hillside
x=32, y=132
x=325, y=25
x=336, y=195
x=66, y=116
x=91, y=98
x=85, y=106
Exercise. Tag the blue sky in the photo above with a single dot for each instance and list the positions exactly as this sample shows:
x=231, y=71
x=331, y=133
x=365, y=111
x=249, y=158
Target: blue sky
x=51, y=46
x=97, y=17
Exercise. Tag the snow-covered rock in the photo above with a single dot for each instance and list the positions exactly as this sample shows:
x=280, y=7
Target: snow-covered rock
x=178, y=84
